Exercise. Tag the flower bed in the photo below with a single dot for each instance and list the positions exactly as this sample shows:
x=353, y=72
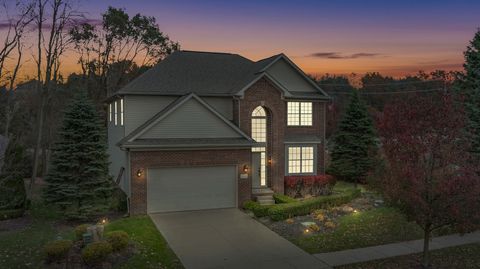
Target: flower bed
x=305, y=186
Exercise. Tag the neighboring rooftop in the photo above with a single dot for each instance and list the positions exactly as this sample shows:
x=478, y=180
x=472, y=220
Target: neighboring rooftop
x=204, y=73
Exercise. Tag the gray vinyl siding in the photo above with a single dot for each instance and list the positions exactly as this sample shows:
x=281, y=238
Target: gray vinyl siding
x=140, y=108
x=117, y=157
x=286, y=75
x=223, y=105
x=191, y=120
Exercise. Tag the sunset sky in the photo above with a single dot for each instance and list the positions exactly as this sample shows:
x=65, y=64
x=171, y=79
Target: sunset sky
x=337, y=37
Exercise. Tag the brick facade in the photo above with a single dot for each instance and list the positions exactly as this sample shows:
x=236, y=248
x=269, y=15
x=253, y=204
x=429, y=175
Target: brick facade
x=264, y=93
x=145, y=160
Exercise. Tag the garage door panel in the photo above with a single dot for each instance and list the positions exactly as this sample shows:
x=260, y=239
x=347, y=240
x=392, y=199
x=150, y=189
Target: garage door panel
x=191, y=188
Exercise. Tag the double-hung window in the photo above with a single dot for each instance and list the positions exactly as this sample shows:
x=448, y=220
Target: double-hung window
x=110, y=112
x=301, y=159
x=115, y=115
x=299, y=113
x=121, y=112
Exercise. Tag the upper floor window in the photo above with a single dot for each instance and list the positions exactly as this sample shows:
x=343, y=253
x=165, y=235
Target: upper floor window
x=299, y=113
x=259, y=124
x=300, y=160
x=110, y=112
x=121, y=112
x=115, y=115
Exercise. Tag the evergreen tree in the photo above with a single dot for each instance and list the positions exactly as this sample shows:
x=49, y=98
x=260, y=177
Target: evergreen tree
x=12, y=185
x=470, y=87
x=78, y=181
x=354, y=143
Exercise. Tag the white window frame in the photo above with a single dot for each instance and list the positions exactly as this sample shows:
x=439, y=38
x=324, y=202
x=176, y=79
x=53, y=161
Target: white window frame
x=115, y=116
x=299, y=113
x=301, y=160
x=121, y=112
x=110, y=112
x=259, y=125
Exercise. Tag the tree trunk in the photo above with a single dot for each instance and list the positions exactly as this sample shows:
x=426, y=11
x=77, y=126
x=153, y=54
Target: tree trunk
x=426, y=247
x=38, y=142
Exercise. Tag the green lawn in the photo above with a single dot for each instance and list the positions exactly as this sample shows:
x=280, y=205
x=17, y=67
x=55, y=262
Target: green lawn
x=154, y=251
x=465, y=257
x=363, y=229
x=23, y=248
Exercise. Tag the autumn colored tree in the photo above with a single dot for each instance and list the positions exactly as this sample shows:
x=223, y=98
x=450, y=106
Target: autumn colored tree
x=429, y=173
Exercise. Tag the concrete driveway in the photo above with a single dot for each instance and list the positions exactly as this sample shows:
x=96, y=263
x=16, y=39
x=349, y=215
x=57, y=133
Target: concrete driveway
x=228, y=238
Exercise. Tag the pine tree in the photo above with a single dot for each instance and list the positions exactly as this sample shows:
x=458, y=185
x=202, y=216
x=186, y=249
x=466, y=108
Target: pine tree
x=354, y=143
x=470, y=87
x=12, y=185
x=78, y=181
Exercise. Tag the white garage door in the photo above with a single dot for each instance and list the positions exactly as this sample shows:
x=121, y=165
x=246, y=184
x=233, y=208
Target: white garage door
x=191, y=188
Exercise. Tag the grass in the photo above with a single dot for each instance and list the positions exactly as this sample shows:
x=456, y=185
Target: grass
x=465, y=257
x=23, y=248
x=154, y=251
x=363, y=229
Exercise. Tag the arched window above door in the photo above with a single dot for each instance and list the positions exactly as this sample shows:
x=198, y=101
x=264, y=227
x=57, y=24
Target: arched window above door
x=259, y=112
x=259, y=124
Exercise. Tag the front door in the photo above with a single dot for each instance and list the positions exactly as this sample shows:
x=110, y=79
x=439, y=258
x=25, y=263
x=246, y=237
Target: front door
x=256, y=169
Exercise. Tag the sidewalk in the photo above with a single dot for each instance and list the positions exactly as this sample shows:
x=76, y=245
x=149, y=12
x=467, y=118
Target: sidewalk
x=397, y=249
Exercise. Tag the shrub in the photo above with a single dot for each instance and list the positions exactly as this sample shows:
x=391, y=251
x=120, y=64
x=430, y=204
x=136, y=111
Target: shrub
x=301, y=208
x=119, y=200
x=96, y=252
x=300, y=186
x=80, y=230
x=257, y=209
x=283, y=199
x=118, y=239
x=57, y=250
x=314, y=227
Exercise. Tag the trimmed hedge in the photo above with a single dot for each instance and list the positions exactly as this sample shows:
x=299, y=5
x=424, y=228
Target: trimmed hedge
x=283, y=199
x=300, y=208
x=118, y=239
x=285, y=211
x=96, y=252
x=57, y=250
x=257, y=209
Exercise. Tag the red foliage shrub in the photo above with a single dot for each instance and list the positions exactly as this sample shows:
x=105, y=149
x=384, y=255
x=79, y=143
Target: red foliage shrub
x=300, y=186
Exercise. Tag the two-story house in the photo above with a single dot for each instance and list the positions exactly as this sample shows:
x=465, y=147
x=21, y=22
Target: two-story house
x=204, y=130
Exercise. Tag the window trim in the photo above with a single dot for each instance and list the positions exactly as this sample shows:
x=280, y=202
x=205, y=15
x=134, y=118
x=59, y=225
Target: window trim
x=110, y=112
x=315, y=159
x=122, y=118
x=115, y=115
x=300, y=113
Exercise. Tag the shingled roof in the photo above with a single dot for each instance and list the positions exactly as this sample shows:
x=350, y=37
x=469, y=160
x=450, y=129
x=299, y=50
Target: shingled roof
x=203, y=73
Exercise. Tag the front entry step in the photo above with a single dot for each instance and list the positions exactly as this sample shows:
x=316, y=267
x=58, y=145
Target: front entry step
x=263, y=195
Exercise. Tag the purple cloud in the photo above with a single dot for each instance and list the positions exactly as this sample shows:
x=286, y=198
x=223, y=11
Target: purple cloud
x=337, y=55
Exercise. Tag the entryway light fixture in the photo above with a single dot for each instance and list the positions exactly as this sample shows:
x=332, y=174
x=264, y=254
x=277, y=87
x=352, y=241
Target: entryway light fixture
x=139, y=172
x=245, y=168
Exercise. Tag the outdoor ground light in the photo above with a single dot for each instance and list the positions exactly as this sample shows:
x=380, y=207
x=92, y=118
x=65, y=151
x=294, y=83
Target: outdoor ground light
x=139, y=172
x=245, y=168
